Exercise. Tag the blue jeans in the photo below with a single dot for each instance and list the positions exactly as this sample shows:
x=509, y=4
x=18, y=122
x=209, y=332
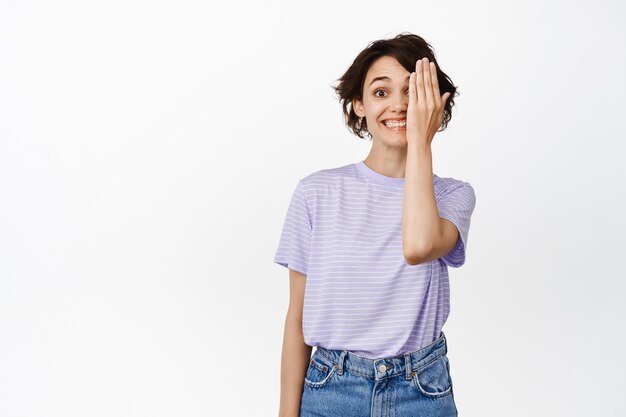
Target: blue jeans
x=341, y=383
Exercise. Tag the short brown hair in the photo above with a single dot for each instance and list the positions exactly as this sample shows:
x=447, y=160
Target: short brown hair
x=406, y=48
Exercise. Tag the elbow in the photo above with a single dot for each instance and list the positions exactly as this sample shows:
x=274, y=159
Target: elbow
x=417, y=255
x=410, y=260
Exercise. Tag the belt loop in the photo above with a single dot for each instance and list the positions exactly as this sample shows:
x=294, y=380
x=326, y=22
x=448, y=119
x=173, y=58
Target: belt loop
x=407, y=365
x=342, y=358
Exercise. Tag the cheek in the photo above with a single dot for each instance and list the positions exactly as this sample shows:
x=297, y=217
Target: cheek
x=373, y=111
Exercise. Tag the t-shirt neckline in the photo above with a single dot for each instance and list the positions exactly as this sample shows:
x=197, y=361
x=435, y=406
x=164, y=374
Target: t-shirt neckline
x=377, y=177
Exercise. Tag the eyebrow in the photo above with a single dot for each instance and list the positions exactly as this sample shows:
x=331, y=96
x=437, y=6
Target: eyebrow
x=385, y=78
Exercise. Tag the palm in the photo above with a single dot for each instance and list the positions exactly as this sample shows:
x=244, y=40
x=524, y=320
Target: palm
x=425, y=109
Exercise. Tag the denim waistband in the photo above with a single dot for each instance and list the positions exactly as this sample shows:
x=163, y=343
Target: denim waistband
x=382, y=368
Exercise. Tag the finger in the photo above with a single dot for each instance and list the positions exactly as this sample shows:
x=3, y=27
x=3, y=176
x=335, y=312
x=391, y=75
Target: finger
x=419, y=82
x=435, y=82
x=412, y=92
x=430, y=101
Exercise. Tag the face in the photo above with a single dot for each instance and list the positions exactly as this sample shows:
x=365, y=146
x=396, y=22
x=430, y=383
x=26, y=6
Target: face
x=385, y=101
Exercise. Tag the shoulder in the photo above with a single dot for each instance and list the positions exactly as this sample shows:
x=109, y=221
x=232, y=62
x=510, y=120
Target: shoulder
x=447, y=185
x=327, y=178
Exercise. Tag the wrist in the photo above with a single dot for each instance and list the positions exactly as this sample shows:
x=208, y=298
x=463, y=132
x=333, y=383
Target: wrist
x=418, y=143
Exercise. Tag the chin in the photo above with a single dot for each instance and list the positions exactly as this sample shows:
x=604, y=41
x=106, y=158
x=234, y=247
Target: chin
x=397, y=140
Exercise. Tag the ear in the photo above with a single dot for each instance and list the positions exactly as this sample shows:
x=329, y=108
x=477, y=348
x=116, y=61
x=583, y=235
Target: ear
x=358, y=107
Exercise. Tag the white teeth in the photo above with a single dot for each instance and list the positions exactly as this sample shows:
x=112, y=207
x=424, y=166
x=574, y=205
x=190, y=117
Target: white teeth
x=393, y=123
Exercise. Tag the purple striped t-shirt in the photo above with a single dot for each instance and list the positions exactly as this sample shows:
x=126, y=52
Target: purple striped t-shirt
x=343, y=230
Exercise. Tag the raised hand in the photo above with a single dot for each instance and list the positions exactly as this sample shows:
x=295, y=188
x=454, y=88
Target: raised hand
x=425, y=109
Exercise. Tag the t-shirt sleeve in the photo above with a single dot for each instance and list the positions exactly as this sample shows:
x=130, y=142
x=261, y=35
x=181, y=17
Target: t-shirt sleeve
x=457, y=205
x=295, y=239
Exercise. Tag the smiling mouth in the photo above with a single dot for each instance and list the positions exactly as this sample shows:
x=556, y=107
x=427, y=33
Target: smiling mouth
x=395, y=124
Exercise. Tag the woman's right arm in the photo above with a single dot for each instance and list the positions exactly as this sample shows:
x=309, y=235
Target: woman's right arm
x=296, y=354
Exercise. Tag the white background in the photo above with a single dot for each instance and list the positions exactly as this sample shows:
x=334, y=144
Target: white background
x=148, y=151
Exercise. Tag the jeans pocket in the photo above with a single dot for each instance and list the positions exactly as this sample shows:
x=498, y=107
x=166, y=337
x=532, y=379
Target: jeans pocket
x=319, y=371
x=433, y=379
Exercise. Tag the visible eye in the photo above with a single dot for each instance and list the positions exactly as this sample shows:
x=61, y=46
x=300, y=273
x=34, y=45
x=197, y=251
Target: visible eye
x=375, y=93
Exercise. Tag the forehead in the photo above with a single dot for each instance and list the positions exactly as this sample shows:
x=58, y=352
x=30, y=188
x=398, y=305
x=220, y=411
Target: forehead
x=386, y=66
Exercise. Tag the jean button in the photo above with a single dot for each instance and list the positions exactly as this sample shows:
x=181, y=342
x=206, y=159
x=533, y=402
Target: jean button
x=382, y=368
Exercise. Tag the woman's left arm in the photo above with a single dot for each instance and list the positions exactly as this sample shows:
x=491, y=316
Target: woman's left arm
x=425, y=236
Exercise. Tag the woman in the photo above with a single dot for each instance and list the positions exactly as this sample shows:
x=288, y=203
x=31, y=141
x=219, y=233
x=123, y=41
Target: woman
x=371, y=242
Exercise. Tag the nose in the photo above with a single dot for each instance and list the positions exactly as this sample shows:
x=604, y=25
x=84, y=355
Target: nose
x=399, y=103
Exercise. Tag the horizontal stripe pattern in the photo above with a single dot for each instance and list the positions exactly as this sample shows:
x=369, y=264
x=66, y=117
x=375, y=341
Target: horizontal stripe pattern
x=343, y=230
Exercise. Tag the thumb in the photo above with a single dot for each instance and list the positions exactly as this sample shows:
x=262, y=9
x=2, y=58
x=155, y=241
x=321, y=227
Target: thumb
x=445, y=98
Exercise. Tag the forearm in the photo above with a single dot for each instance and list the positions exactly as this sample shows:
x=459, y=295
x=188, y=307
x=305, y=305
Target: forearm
x=294, y=363
x=420, y=216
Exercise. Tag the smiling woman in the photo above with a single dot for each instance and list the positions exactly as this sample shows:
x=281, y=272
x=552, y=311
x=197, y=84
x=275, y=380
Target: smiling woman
x=372, y=241
x=405, y=49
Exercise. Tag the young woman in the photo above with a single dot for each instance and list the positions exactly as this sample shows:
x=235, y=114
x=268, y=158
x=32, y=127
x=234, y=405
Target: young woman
x=368, y=245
